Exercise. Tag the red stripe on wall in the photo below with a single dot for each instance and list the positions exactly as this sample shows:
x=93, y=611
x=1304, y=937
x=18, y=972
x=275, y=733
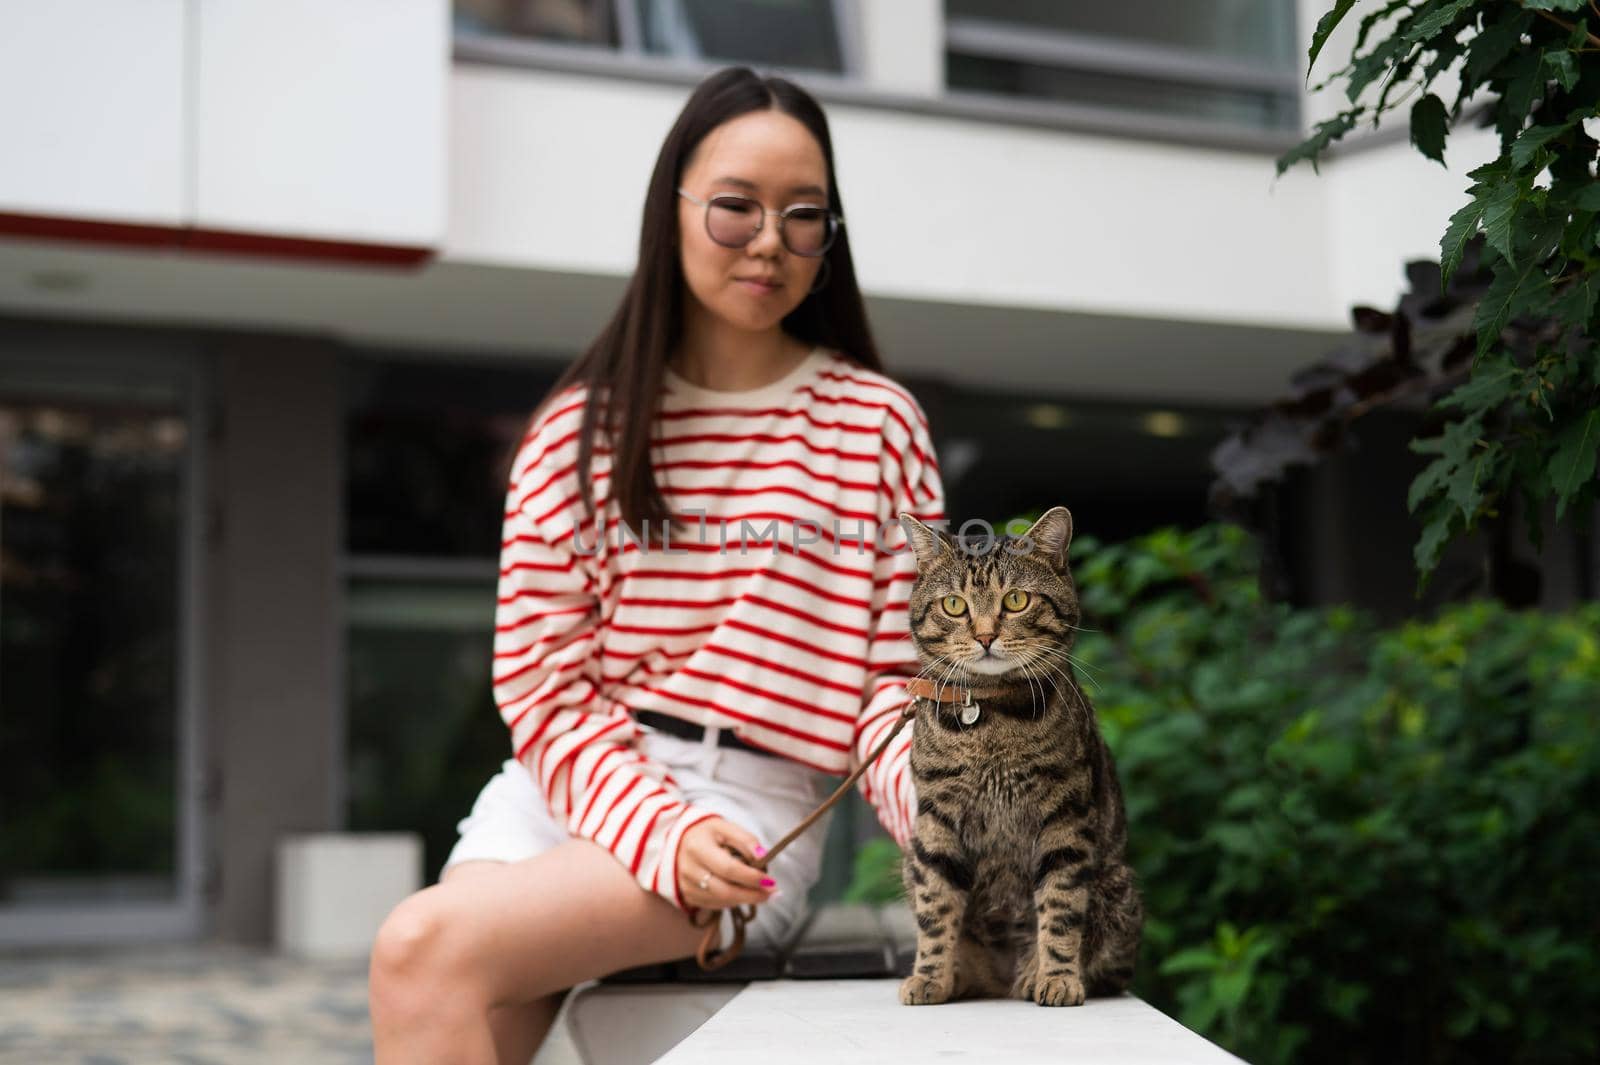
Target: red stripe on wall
x=206, y=241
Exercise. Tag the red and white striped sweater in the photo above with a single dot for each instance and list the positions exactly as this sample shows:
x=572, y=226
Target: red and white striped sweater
x=794, y=634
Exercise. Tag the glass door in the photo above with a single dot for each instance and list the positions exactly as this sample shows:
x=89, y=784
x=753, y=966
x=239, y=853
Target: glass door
x=99, y=459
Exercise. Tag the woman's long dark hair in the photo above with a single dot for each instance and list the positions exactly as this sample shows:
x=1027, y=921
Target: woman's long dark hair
x=622, y=369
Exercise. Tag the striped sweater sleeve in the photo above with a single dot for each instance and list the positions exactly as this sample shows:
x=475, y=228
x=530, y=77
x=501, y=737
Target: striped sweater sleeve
x=910, y=484
x=575, y=742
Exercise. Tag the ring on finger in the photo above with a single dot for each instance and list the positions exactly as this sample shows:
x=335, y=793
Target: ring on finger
x=705, y=881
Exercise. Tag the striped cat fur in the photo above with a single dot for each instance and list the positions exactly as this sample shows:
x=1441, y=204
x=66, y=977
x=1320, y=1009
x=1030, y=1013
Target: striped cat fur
x=1016, y=869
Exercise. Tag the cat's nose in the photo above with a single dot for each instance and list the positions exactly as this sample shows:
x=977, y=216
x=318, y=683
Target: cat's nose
x=985, y=640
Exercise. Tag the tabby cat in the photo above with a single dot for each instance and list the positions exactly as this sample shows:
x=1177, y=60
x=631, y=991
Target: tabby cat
x=1016, y=871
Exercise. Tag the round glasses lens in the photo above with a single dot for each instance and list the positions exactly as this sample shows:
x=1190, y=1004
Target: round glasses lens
x=808, y=230
x=733, y=221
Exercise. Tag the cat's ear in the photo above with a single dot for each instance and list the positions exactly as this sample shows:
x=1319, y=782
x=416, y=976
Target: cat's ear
x=1051, y=535
x=928, y=543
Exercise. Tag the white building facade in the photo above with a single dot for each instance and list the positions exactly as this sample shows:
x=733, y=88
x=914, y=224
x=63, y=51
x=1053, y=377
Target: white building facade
x=274, y=273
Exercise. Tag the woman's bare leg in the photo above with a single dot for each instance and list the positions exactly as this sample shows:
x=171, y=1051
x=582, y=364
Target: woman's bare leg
x=452, y=956
x=518, y=1029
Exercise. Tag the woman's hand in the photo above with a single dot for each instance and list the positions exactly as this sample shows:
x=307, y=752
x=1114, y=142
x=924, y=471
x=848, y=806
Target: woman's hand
x=704, y=858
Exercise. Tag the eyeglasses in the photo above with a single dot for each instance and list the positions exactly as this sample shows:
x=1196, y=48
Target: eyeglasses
x=733, y=221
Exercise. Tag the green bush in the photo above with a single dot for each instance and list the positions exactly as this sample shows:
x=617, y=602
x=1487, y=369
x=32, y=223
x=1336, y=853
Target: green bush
x=1355, y=844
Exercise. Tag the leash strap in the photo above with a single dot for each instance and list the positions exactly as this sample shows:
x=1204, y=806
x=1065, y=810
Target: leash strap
x=712, y=958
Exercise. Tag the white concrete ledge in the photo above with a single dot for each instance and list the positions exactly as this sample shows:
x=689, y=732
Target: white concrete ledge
x=633, y=1024
x=846, y=1022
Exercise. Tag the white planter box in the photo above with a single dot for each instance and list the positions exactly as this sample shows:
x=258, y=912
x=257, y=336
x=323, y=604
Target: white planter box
x=334, y=889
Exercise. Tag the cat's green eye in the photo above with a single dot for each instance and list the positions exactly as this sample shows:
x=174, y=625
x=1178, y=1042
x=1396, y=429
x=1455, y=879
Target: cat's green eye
x=954, y=605
x=1015, y=600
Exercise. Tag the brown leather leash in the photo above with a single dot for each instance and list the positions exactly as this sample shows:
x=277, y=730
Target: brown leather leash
x=708, y=955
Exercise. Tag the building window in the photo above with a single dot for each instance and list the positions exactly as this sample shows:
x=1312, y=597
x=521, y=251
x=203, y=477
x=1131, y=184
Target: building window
x=422, y=734
x=563, y=21
x=428, y=450
x=799, y=34
x=1220, y=62
x=95, y=492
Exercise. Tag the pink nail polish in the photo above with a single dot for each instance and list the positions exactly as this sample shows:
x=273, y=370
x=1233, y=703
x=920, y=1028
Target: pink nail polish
x=768, y=882
x=761, y=852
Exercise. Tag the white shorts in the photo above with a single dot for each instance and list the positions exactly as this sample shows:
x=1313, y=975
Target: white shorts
x=766, y=795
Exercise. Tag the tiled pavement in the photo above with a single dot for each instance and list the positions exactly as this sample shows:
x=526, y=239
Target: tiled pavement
x=209, y=1005
x=189, y=1005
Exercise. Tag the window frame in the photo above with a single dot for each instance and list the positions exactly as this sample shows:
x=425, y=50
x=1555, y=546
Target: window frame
x=1085, y=53
x=59, y=358
x=484, y=49
x=629, y=55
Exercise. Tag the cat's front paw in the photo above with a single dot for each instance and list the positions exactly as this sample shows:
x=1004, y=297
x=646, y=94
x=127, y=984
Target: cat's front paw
x=924, y=991
x=1058, y=991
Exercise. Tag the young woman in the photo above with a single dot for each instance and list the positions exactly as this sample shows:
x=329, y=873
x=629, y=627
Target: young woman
x=678, y=692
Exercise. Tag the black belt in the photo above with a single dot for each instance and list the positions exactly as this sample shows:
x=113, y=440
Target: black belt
x=688, y=730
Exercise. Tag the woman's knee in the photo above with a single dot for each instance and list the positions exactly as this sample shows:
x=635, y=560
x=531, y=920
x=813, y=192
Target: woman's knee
x=420, y=958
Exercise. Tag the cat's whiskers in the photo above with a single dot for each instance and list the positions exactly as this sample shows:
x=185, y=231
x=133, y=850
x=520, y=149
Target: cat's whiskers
x=1088, y=671
x=1076, y=661
x=937, y=660
x=1028, y=673
x=1012, y=655
x=1071, y=678
x=944, y=674
x=1047, y=651
x=949, y=664
x=1044, y=696
x=966, y=679
x=1045, y=672
x=1058, y=671
x=947, y=676
x=1014, y=651
x=1049, y=658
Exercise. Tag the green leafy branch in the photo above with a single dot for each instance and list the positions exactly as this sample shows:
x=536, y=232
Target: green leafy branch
x=1523, y=426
